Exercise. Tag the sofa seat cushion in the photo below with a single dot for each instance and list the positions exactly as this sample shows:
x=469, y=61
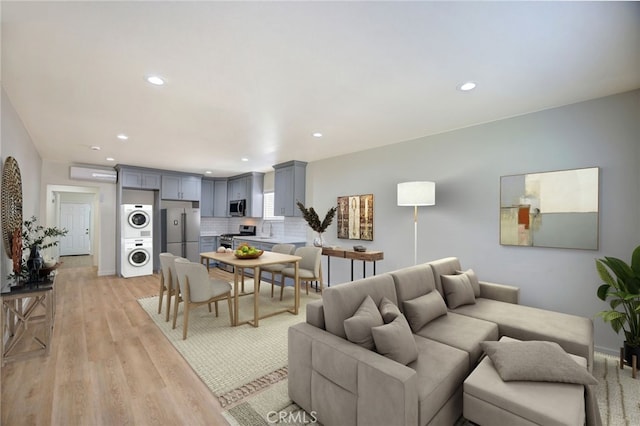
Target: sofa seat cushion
x=461, y=332
x=440, y=370
x=487, y=399
x=573, y=333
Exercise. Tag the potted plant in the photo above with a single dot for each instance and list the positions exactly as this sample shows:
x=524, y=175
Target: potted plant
x=622, y=290
x=35, y=238
x=312, y=218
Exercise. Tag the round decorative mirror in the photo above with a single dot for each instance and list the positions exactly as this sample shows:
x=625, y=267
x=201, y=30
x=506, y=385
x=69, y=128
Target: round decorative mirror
x=12, y=209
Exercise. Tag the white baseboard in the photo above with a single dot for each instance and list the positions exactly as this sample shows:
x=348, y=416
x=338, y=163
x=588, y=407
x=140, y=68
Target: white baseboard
x=102, y=273
x=608, y=351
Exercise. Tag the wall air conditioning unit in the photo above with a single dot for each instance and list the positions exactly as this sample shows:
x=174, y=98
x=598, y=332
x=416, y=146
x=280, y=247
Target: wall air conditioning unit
x=93, y=174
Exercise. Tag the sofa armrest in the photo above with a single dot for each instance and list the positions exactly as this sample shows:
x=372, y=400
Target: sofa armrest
x=344, y=383
x=315, y=314
x=500, y=292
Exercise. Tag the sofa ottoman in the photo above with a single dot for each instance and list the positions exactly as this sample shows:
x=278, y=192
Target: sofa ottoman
x=488, y=400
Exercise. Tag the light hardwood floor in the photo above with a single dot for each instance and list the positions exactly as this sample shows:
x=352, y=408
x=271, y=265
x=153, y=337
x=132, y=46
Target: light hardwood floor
x=109, y=364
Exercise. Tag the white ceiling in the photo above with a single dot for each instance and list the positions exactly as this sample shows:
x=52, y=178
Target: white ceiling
x=256, y=79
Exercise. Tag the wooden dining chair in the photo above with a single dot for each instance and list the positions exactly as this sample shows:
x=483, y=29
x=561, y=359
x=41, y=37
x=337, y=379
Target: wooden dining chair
x=276, y=268
x=309, y=268
x=168, y=281
x=196, y=289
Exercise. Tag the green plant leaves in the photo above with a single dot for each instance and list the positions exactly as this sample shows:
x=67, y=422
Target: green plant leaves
x=622, y=289
x=312, y=218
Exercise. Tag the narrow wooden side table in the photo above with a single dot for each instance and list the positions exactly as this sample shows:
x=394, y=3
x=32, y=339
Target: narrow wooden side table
x=20, y=311
x=365, y=256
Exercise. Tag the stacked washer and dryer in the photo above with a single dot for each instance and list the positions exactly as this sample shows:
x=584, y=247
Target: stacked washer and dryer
x=137, y=240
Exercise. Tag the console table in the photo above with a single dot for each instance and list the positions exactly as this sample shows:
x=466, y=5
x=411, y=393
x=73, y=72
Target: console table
x=20, y=311
x=365, y=256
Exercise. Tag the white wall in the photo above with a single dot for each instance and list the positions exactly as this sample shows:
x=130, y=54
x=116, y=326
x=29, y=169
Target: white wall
x=55, y=177
x=466, y=165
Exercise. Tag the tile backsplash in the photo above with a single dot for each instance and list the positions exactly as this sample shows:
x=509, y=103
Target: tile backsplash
x=290, y=227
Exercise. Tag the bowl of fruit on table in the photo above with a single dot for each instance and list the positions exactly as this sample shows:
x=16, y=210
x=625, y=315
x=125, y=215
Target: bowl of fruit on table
x=247, y=252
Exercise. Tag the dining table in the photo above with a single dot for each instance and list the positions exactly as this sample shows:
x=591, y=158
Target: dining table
x=240, y=264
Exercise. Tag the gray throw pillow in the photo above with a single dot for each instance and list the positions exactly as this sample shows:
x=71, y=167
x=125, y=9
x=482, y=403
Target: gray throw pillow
x=536, y=361
x=473, y=278
x=395, y=341
x=457, y=290
x=358, y=327
x=388, y=310
x=423, y=309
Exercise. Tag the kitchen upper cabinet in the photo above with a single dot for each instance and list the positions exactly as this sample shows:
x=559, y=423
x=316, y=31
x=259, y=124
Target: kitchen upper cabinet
x=213, y=202
x=137, y=179
x=206, y=198
x=220, y=204
x=177, y=187
x=237, y=188
x=249, y=187
x=289, y=187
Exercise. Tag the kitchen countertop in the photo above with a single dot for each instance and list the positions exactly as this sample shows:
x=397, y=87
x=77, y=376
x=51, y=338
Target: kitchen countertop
x=209, y=234
x=272, y=240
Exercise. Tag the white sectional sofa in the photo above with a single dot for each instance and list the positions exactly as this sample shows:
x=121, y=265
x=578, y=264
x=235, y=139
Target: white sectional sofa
x=344, y=383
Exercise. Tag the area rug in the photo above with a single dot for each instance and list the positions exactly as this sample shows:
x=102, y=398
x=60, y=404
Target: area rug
x=618, y=399
x=234, y=362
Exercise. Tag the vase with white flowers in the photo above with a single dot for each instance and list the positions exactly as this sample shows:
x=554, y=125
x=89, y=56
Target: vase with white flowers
x=35, y=238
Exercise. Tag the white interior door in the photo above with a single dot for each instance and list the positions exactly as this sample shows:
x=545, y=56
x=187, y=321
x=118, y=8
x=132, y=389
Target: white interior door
x=76, y=218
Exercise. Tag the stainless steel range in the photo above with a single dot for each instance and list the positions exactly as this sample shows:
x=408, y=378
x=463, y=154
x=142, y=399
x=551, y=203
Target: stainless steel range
x=226, y=240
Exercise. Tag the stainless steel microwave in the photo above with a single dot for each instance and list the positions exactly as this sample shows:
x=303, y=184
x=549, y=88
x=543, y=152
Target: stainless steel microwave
x=237, y=207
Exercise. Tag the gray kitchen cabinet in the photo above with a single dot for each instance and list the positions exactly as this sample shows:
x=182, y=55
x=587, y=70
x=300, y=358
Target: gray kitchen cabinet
x=220, y=204
x=289, y=187
x=249, y=187
x=179, y=187
x=207, y=244
x=207, y=194
x=213, y=201
x=138, y=179
x=237, y=188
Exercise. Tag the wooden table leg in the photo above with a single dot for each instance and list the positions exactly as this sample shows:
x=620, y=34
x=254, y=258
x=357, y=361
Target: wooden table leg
x=235, y=296
x=256, y=296
x=296, y=286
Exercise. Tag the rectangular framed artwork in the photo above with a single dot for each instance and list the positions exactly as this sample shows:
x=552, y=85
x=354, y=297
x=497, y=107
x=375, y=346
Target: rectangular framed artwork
x=550, y=209
x=355, y=217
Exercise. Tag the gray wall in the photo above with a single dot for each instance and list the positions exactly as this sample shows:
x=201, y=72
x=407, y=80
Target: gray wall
x=15, y=142
x=466, y=165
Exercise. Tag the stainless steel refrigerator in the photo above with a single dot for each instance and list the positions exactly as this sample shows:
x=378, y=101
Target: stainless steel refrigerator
x=181, y=232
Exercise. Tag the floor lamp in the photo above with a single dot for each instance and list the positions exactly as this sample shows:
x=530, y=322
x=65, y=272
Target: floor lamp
x=416, y=194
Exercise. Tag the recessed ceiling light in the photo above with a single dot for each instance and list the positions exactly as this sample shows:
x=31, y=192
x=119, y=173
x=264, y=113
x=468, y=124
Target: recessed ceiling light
x=465, y=87
x=155, y=80
x=110, y=159
x=244, y=159
x=208, y=172
x=96, y=148
x=317, y=135
x=122, y=136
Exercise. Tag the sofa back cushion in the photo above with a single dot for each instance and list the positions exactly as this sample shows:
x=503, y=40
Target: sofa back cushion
x=413, y=282
x=446, y=266
x=424, y=309
x=342, y=301
x=358, y=327
x=458, y=290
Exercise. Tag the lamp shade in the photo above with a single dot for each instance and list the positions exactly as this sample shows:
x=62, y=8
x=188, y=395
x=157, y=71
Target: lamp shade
x=416, y=194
